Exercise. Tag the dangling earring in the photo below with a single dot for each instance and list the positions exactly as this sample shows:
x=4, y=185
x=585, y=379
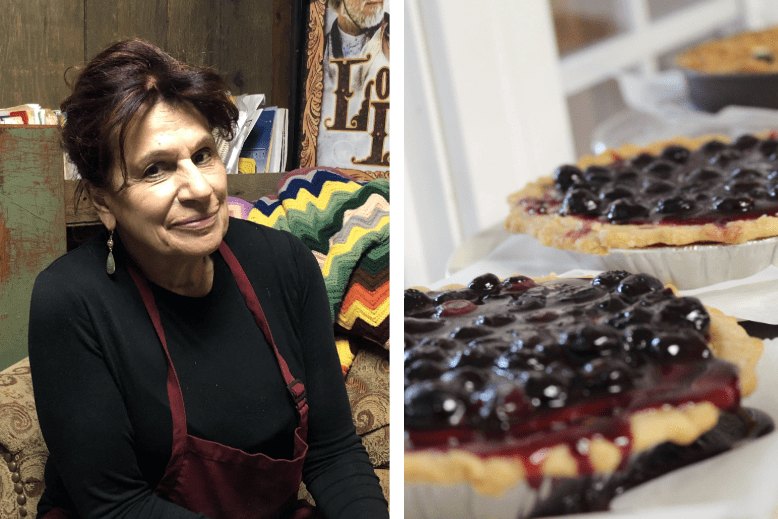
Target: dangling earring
x=110, y=265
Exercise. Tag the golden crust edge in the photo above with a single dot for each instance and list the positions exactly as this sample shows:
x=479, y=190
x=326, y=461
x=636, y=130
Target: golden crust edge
x=492, y=476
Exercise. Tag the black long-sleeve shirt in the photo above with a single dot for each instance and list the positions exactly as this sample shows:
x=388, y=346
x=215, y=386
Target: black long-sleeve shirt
x=99, y=376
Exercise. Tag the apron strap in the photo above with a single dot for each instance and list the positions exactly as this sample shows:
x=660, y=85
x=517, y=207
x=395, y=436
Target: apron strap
x=294, y=385
x=175, y=396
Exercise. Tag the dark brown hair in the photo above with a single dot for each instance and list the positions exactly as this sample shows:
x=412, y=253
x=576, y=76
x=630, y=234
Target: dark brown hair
x=122, y=83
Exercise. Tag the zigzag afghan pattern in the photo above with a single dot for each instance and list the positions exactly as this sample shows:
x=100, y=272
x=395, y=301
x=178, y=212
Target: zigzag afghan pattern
x=345, y=354
x=372, y=306
x=269, y=212
x=346, y=225
x=316, y=219
x=364, y=311
x=347, y=246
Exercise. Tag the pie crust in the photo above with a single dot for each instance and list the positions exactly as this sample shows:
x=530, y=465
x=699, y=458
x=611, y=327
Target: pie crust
x=494, y=475
x=743, y=53
x=599, y=237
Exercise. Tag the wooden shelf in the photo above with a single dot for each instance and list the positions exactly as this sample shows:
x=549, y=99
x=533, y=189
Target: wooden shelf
x=248, y=187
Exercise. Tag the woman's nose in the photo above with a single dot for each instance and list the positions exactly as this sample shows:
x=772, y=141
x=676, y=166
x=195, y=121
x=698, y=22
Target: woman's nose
x=194, y=184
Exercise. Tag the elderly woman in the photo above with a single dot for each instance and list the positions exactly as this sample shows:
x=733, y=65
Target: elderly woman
x=183, y=362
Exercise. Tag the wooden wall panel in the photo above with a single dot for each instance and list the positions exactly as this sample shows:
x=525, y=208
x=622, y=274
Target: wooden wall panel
x=193, y=31
x=39, y=39
x=32, y=225
x=107, y=21
x=247, y=41
x=245, y=48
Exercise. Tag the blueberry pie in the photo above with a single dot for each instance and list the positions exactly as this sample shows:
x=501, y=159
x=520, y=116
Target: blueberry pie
x=673, y=193
x=550, y=396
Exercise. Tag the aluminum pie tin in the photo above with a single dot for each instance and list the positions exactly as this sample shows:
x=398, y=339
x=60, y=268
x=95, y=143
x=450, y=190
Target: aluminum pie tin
x=697, y=266
x=430, y=501
x=712, y=92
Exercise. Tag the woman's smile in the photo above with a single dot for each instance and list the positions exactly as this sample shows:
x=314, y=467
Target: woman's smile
x=197, y=222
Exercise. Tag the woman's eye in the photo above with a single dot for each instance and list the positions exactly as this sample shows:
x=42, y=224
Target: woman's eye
x=202, y=156
x=152, y=170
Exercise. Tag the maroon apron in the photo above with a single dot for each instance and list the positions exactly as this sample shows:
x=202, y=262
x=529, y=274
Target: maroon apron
x=217, y=480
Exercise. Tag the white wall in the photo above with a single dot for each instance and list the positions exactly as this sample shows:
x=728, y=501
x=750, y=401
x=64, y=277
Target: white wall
x=484, y=113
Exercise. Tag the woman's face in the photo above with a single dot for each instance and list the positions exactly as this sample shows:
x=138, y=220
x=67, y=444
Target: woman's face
x=174, y=206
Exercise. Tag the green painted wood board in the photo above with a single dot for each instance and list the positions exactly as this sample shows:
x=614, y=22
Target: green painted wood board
x=32, y=225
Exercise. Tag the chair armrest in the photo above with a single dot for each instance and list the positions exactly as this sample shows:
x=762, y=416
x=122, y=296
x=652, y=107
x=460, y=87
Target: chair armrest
x=22, y=448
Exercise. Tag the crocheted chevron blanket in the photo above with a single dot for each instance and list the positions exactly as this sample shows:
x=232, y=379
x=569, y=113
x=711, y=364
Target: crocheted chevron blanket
x=345, y=223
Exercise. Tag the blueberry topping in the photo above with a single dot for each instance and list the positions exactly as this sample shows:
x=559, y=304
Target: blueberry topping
x=427, y=351
x=628, y=177
x=597, y=175
x=527, y=303
x=705, y=175
x=421, y=325
x=417, y=302
x=607, y=374
x=468, y=332
x=725, y=156
x=567, y=175
x=634, y=315
x=657, y=187
x=424, y=369
x=466, y=294
x=494, y=321
x=638, y=284
x=455, y=307
x=475, y=357
x=712, y=147
x=468, y=378
x=745, y=142
x=674, y=205
x=642, y=160
x=531, y=350
x=428, y=405
x=746, y=174
x=678, y=154
x=590, y=342
x=736, y=204
x=486, y=284
x=545, y=390
x=516, y=283
x=616, y=193
x=612, y=303
x=625, y=210
x=684, y=312
x=710, y=184
x=520, y=360
x=660, y=169
x=610, y=278
x=748, y=187
x=679, y=347
x=769, y=148
x=580, y=202
x=504, y=403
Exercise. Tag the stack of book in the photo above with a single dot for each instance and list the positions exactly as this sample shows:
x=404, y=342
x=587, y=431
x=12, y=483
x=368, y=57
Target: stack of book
x=28, y=114
x=265, y=147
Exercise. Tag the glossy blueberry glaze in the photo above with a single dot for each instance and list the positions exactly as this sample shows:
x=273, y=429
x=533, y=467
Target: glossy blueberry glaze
x=530, y=365
x=717, y=182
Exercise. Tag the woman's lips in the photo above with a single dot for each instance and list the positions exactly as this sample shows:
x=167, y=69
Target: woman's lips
x=197, y=222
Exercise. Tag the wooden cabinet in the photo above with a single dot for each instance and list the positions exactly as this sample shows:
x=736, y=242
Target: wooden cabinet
x=32, y=225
